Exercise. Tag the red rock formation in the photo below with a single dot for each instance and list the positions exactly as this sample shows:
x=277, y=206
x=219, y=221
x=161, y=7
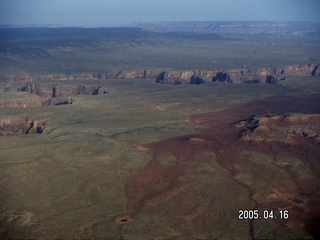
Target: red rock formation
x=281, y=128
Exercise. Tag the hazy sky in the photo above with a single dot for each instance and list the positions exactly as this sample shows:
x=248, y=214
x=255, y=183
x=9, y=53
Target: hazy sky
x=117, y=12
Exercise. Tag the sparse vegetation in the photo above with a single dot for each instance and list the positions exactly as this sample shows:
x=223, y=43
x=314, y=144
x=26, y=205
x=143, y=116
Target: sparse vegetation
x=166, y=160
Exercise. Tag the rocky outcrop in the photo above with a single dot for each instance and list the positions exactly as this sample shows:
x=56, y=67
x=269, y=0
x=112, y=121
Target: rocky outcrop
x=34, y=102
x=40, y=95
x=281, y=128
x=57, y=101
x=21, y=102
x=48, y=94
x=52, y=91
x=187, y=77
x=265, y=75
x=81, y=89
x=302, y=70
x=130, y=74
x=221, y=76
x=160, y=77
x=19, y=125
x=29, y=78
x=250, y=76
x=41, y=90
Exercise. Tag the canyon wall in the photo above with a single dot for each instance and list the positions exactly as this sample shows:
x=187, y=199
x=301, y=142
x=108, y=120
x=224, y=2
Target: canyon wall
x=245, y=75
x=46, y=94
x=21, y=102
x=19, y=125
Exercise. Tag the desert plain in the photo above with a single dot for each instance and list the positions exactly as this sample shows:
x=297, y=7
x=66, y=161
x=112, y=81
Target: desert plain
x=131, y=133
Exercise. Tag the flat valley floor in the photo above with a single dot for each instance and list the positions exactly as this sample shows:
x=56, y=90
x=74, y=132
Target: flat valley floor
x=150, y=161
x=142, y=160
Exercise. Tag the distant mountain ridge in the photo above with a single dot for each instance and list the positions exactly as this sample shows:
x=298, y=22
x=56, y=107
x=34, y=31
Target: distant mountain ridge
x=31, y=26
x=291, y=28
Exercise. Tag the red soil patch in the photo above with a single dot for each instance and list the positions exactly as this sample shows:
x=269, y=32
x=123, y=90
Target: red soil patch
x=142, y=148
x=221, y=137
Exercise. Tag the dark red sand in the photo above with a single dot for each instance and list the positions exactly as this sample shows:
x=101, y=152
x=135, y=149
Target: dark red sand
x=222, y=137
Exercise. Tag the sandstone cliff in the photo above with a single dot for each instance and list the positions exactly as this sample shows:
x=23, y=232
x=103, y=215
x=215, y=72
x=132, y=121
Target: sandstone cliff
x=52, y=91
x=187, y=76
x=34, y=102
x=19, y=125
x=245, y=75
x=57, y=101
x=46, y=94
x=21, y=102
x=81, y=89
x=41, y=90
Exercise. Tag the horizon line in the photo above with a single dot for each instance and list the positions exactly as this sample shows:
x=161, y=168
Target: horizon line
x=136, y=24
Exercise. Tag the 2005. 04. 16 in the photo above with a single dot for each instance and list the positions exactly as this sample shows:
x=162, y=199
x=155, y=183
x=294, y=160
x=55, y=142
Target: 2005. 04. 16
x=267, y=214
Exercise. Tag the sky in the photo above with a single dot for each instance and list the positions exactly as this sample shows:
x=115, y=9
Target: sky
x=94, y=13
